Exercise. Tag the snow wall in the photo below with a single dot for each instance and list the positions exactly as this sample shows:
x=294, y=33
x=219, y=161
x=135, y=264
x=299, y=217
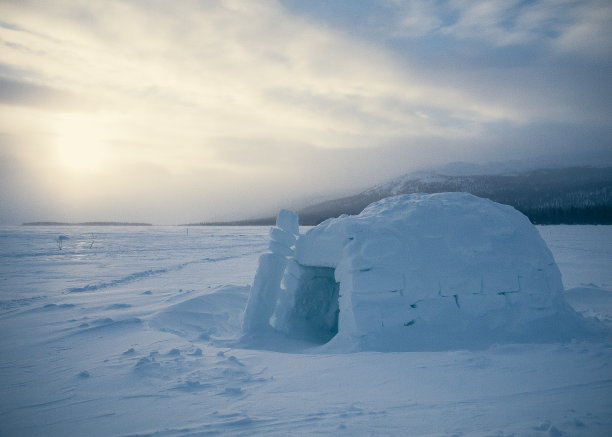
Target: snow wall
x=411, y=272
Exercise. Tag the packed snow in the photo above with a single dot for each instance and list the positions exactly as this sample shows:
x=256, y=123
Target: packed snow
x=139, y=331
x=412, y=272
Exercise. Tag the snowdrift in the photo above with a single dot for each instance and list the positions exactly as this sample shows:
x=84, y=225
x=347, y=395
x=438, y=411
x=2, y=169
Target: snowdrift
x=411, y=272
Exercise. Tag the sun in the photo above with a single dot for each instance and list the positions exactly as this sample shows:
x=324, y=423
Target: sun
x=80, y=144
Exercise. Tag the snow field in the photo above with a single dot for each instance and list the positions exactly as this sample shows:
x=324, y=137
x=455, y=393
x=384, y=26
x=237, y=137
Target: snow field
x=139, y=335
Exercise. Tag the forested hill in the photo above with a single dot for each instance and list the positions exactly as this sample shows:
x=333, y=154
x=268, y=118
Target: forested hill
x=577, y=195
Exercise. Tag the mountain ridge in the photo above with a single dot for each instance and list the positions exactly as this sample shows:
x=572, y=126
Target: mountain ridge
x=551, y=195
x=571, y=195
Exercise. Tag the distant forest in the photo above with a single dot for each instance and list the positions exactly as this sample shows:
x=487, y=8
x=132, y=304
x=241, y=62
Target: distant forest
x=596, y=215
x=85, y=224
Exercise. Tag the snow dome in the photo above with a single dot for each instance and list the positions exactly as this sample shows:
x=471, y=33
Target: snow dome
x=410, y=272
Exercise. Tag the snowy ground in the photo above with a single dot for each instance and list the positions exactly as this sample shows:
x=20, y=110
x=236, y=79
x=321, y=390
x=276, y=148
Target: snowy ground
x=131, y=331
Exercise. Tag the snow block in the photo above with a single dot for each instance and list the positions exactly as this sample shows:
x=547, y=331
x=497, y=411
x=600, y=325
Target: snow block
x=264, y=292
x=410, y=272
x=283, y=237
x=288, y=221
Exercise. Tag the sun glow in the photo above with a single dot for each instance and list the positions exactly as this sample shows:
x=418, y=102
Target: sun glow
x=80, y=144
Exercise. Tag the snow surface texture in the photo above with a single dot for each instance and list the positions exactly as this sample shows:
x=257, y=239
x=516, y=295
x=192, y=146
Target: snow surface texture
x=137, y=335
x=412, y=272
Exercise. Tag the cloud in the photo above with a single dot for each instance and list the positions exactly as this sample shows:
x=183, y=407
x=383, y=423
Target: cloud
x=222, y=65
x=222, y=97
x=501, y=23
x=24, y=93
x=579, y=27
x=589, y=33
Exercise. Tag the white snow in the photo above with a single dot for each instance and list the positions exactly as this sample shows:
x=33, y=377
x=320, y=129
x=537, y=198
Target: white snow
x=414, y=272
x=139, y=334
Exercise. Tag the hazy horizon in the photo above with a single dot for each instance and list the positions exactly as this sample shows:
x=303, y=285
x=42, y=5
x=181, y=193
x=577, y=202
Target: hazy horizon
x=173, y=113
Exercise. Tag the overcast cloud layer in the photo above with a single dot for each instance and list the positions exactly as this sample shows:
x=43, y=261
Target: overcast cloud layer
x=175, y=112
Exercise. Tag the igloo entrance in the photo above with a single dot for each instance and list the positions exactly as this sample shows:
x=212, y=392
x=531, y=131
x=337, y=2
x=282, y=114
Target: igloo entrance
x=300, y=300
x=313, y=315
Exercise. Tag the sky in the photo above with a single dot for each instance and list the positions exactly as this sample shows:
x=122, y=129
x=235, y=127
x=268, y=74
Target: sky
x=190, y=111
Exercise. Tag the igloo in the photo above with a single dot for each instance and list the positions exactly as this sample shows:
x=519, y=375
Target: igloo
x=410, y=272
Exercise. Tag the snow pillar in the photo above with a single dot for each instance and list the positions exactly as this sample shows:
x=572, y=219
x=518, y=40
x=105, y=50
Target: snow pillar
x=267, y=283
